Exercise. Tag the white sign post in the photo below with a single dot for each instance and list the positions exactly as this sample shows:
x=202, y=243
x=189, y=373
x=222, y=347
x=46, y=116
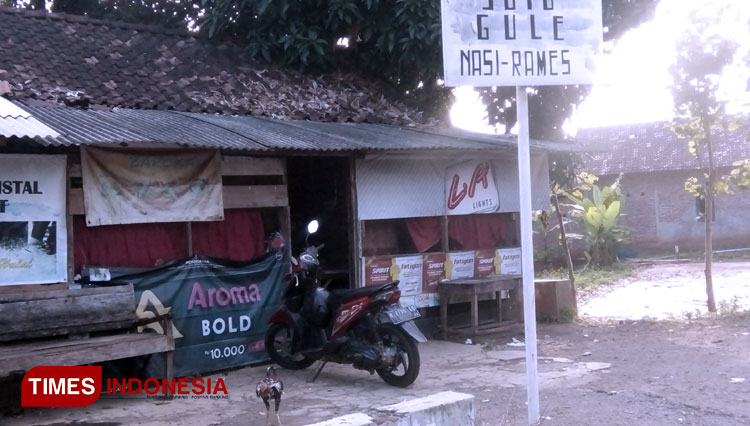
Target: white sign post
x=522, y=43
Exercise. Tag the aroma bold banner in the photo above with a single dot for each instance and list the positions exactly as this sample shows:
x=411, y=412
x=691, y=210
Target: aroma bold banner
x=219, y=309
x=33, y=236
x=143, y=187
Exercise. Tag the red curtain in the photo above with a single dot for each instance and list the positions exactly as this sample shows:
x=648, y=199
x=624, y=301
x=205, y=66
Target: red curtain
x=137, y=245
x=240, y=236
x=424, y=231
x=477, y=231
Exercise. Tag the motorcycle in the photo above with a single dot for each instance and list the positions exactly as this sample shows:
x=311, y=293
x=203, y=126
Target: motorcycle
x=365, y=327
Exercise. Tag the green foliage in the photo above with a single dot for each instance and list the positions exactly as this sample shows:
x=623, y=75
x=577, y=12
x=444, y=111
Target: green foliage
x=598, y=214
x=740, y=175
x=396, y=41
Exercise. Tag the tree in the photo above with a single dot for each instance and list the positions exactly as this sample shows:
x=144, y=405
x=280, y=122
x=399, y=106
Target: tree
x=398, y=41
x=702, y=55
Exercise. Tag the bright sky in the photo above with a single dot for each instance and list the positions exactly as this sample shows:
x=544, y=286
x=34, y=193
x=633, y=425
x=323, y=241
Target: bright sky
x=632, y=80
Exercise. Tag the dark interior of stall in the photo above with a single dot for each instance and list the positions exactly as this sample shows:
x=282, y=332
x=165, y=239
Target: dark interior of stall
x=319, y=189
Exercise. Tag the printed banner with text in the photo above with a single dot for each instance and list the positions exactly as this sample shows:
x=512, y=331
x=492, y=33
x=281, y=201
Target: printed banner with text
x=33, y=232
x=219, y=309
x=143, y=187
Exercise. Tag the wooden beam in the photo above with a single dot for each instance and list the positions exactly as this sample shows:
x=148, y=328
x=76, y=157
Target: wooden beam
x=355, y=239
x=79, y=352
x=54, y=313
x=252, y=166
x=238, y=197
x=75, y=201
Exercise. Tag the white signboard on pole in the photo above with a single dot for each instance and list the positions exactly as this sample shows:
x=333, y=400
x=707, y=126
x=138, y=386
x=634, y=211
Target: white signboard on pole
x=520, y=42
x=33, y=222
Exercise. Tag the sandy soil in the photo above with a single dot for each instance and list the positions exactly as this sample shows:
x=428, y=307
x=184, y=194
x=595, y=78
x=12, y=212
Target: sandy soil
x=671, y=291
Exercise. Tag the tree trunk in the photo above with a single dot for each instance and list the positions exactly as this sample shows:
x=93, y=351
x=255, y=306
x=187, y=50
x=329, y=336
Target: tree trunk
x=564, y=240
x=708, y=215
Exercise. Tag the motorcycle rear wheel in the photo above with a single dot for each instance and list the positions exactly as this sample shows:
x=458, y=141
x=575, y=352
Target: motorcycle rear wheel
x=278, y=341
x=408, y=369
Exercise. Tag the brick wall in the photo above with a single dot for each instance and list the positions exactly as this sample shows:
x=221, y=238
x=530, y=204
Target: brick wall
x=661, y=214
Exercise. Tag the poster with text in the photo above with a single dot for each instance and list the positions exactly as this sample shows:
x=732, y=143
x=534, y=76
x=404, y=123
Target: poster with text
x=33, y=232
x=459, y=265
x=484, y=262
x=433, y=271
x=378, y=270
x=408, y=270
x=145, y=187
x=508, y=261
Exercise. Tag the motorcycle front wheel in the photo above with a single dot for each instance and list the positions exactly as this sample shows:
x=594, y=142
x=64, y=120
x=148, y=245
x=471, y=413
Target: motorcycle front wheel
x=278, y=343
x=406, y=370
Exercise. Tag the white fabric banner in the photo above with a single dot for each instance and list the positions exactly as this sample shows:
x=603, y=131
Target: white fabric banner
x=142, y=187
x=33, y=231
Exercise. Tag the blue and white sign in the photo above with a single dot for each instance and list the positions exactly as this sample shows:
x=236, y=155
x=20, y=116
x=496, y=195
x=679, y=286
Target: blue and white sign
x=520, y=42
x=33, y=233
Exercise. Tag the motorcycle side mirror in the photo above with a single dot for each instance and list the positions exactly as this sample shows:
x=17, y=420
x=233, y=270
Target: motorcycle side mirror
x=312, y=227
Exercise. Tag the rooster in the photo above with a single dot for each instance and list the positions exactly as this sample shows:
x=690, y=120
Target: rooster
x=270, y=388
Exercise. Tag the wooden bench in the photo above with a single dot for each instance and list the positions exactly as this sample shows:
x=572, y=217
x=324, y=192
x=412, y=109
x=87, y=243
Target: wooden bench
x=474, y=287
x=77, y=327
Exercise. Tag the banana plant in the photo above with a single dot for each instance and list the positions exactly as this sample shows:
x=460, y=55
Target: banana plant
x=599, y=215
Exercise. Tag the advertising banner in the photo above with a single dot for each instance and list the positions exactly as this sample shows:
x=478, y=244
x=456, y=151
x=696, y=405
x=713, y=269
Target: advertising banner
x=33, y=232
x=433, y=271
x=378, y=270
x=484, y=262
x=459, y=265
x=143, y=187
x=219, y=309
x=470, y=188
x=408, y=271
x=520, y=43
x=508, y=261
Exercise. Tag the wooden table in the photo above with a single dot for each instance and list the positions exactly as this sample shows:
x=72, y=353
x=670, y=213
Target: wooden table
x=473, y=287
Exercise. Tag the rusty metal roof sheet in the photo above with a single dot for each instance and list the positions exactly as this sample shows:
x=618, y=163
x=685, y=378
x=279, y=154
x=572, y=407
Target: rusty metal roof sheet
x=247, y=133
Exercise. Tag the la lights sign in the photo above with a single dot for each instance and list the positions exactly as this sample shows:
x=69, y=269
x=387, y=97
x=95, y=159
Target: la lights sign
x=520, y=42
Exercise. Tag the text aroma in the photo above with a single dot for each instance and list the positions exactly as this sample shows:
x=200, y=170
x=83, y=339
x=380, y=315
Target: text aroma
x=222, y=296
x=181, y=386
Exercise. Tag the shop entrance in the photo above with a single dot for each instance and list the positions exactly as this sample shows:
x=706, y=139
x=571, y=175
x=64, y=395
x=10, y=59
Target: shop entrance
x=319, y=189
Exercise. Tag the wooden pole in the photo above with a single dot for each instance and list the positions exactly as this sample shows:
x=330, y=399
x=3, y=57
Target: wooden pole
x=564, y=241
x=527, y=253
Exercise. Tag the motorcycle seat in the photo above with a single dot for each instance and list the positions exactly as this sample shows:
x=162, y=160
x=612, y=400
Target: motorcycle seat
x=339, y=297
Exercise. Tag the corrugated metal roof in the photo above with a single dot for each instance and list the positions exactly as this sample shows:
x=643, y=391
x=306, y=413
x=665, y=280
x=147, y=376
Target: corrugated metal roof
x=14, y=121
x=249, y=133
x=88, y=127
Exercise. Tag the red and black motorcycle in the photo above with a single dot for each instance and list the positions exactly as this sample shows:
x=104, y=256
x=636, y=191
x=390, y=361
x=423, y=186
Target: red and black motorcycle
x=365, y=327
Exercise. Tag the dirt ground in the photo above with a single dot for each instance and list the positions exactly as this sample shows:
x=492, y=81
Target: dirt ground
x=593, y=372
x=662, y=373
